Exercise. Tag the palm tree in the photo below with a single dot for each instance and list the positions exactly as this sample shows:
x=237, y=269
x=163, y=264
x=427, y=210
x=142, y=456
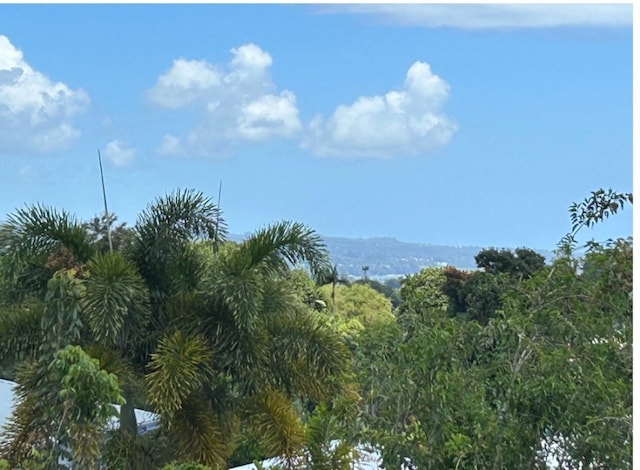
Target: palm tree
x=329, y=275
x=35, y=242
x=243, y=349
x=116, y=310
x=212, y=324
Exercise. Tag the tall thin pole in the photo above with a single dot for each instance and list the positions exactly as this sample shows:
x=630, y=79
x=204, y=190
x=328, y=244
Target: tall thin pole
x=106, y=211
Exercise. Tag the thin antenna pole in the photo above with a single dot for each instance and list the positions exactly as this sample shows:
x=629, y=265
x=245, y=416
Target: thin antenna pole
x=106, y=211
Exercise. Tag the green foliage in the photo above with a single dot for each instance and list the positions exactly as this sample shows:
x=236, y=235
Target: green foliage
x=323, y=449
x=186, y=466
x=423, y=298
x=423, y=291
x=477, y=295
x=20, y=335
x=303, y=286
x=453, y=287
x=199, y=434
x=599, y=205
x=385, y=289
x=178, y=368
x=282, y=245
x=61, y=322
x=34, y=243
x=552, y=367
x=235, y=333
x=150, y=451
x=96, y=228
x=63, y=405
x=307, y=359
x=547, y=375
x=210, y=335
x=116, y=303
x=163, y=233
x=221, y=339
x=482, y=295
x=521, y=264
x=357, y=307
x=274, y=418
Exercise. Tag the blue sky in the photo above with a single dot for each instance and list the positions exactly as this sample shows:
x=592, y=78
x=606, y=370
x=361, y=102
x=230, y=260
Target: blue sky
x=444, y=124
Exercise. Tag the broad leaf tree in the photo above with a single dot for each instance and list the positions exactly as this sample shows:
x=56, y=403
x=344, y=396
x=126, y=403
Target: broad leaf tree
x=546, y=381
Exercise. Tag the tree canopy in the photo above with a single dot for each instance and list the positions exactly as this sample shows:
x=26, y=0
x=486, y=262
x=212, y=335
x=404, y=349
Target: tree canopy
x=243, y=354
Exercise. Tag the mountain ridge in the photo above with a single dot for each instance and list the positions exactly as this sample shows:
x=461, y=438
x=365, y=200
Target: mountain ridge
x=390, y=257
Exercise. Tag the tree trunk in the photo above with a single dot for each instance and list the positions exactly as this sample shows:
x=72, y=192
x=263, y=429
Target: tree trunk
x=128, y=422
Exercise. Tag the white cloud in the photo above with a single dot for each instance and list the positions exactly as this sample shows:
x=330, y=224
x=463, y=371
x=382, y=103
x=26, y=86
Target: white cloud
x=405, y=122
x=119, y=153
x=170, y=145
x=236, y=103
x=250, y=56
x=185, y=82
x=35, y=112
x=499, y=16
x=269, y=115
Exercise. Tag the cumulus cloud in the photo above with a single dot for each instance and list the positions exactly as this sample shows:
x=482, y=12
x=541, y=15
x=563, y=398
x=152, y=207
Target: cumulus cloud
x=171, y=145
x=119, y=153
x=404, y=122
x=185, y=82
x=499, y=16
x=235, y=103
x=35, y=112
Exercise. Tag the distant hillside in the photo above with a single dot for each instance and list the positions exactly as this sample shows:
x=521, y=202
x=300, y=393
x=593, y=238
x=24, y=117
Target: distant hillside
x=387, y=256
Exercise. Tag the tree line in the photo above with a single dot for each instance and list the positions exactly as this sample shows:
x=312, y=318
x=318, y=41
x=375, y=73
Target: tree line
x=256, y=349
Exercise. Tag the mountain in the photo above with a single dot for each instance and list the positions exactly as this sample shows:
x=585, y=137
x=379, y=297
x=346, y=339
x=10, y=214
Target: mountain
x=389, y=257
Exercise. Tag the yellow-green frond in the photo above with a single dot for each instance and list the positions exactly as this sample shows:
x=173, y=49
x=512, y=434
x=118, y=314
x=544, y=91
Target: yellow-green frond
x=278, y=426
x=178, y=368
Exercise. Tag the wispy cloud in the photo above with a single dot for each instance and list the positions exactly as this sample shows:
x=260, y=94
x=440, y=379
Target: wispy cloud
x=403, y=122
x=35, y=112
x=496, y=16
x=236, y=103
x=119, y=153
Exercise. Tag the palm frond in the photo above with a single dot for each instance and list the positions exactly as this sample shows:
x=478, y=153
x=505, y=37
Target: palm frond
x=20, y=332
x=116, y=301
x=123, y=451
x=188, y=214
x=307, y=357
x=241, y=357
x=283, y=244
x=186, y=310
x=19, y=435
x=274, y=419
x=163, y=233
x=199, y=435
x=277, y=296
x=113, y=362
x=321, y=434
x=241, y=294
x=178, y=368
x=34, y=233
x=269, y=253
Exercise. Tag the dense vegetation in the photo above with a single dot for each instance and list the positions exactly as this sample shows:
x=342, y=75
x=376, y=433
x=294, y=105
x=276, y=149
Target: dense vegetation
x=245, y=355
